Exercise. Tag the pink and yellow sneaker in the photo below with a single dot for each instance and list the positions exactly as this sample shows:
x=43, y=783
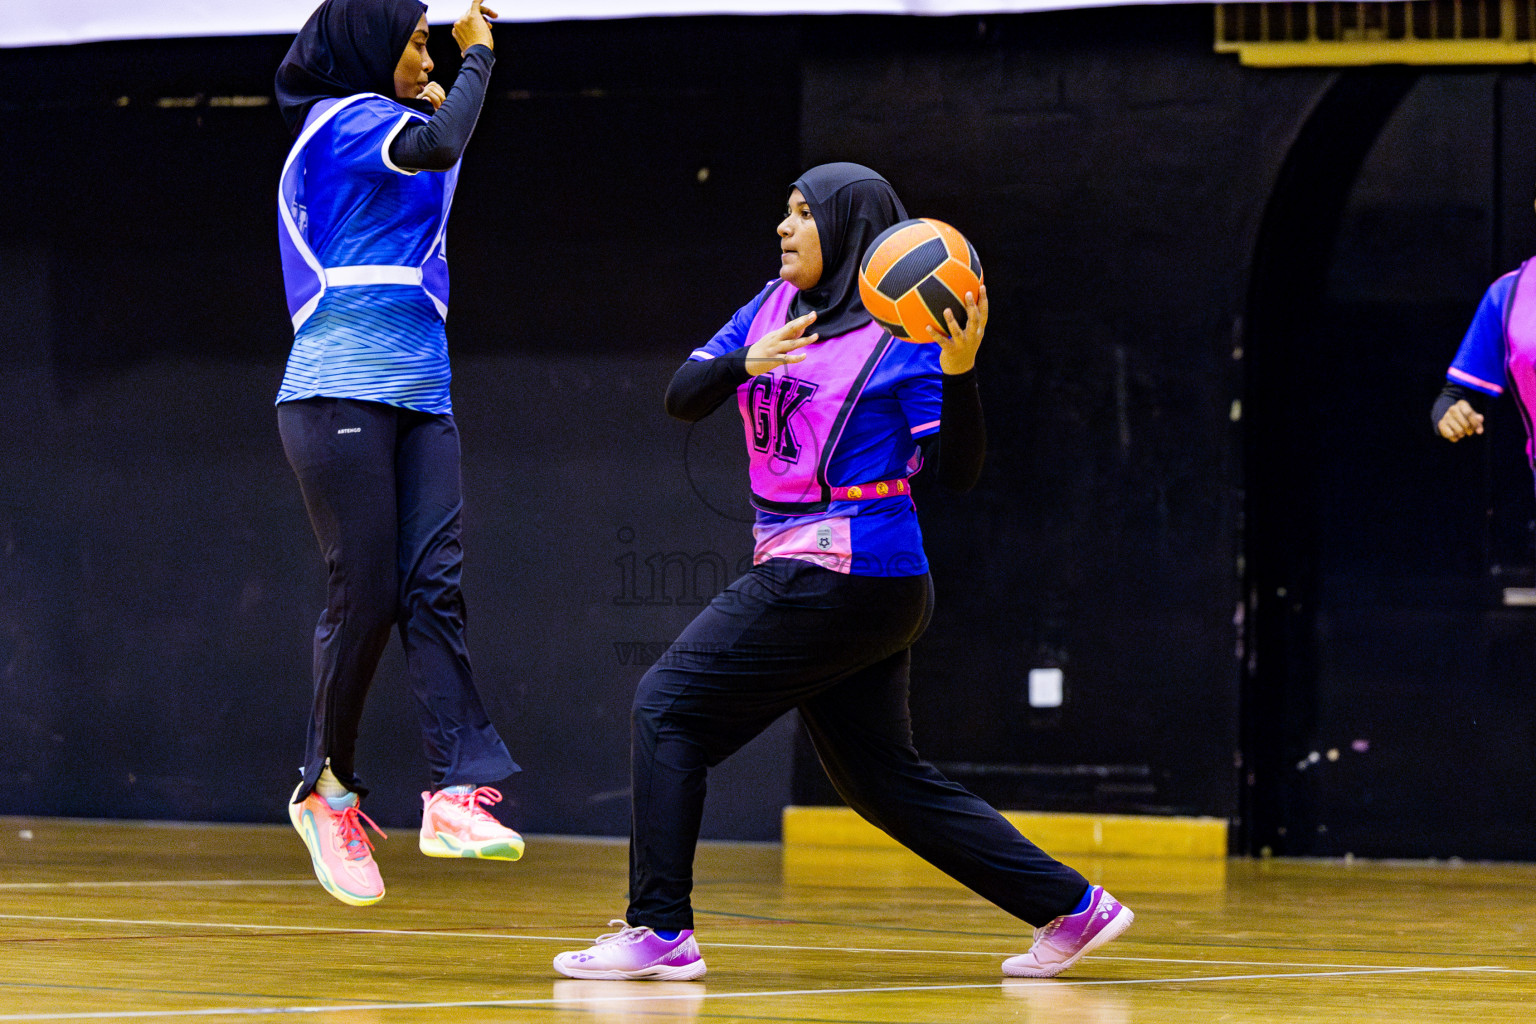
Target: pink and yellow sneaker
x=635, y=954
x=458, y=825
x=1070, y=937
x=339, y=848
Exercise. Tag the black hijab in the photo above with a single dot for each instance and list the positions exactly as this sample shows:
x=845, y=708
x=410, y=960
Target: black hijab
x=852, y=204
x=346, y=47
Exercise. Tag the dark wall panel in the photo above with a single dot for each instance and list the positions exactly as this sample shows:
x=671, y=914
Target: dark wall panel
x=161, y=583
x=1110, y=171
x=1394, y=664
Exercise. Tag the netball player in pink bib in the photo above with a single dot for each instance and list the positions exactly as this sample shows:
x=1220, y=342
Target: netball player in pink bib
x=837, y=416
x=1498, y=351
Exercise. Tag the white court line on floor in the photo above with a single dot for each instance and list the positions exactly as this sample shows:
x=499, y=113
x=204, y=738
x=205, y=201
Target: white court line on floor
x=505, y=937
x=692, y=997
x=166, y=883
x=309, y=929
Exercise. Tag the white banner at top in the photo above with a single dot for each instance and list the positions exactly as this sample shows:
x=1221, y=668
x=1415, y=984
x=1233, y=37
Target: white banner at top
x=51, y=22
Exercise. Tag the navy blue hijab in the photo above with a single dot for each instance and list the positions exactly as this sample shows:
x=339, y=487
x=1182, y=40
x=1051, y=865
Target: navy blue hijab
x=852, y=205
x=346, y=47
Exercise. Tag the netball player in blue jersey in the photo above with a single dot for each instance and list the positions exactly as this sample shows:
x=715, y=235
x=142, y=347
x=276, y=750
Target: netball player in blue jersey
x=835, y=423
x=1497, y=352
x=366, y=420
x=1499, y=349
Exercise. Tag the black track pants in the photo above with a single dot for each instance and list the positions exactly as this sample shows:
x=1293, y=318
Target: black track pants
x=790, y=634
x=383, y=490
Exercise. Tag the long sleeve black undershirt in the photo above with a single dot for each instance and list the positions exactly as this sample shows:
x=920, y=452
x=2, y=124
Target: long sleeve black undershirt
x=962, y=439
x=438, y=144
x=1449, y=396
x=701, y=385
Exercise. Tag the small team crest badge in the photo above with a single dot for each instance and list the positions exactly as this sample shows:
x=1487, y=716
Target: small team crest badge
x=823, y=537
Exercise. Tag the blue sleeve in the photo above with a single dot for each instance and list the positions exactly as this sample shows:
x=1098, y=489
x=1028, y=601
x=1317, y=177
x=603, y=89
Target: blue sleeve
x=1479, y=363
x=734, y=334
x=360, y=136
x=920, y=389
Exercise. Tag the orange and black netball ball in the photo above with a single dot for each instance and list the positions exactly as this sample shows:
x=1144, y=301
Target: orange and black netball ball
x=913, y=272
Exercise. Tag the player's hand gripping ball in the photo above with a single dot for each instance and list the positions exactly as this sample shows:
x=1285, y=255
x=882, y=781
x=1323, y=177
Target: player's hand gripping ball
x=913, y=272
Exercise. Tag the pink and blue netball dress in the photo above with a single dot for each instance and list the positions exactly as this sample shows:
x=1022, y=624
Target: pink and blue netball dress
x=364, y=261
x=1499, y=349
x=832, y=441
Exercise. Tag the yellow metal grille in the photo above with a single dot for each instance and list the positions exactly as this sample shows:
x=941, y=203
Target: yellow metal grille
x=1419, y=32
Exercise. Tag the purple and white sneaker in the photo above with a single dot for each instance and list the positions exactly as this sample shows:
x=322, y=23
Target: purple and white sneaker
x=1070, y=937
x=632, y=954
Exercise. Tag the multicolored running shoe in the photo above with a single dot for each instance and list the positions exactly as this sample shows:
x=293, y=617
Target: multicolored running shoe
x=458, y=825
x=339, y=848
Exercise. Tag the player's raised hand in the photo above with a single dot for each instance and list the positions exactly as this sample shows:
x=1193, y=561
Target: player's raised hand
x=781, y=346
x=957, y=350
x=1460, y=421
x=433, y=94
x=473, y=28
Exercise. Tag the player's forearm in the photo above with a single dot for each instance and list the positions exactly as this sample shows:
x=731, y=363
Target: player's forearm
x=953, y=457
x=438, y=144
x=700, y=385
x=964, y=430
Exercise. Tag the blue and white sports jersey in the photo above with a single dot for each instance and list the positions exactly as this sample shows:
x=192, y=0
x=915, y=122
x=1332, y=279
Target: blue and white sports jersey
x=364, y=261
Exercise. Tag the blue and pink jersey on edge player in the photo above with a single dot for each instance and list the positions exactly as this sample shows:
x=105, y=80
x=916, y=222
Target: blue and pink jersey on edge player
x=850, y=414
x=1499, y=349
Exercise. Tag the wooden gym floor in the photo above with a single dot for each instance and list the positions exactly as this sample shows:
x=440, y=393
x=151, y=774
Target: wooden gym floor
x=144, y=922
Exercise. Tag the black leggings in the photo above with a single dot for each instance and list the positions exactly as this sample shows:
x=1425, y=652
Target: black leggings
x=790, y=634
x=384, y=496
